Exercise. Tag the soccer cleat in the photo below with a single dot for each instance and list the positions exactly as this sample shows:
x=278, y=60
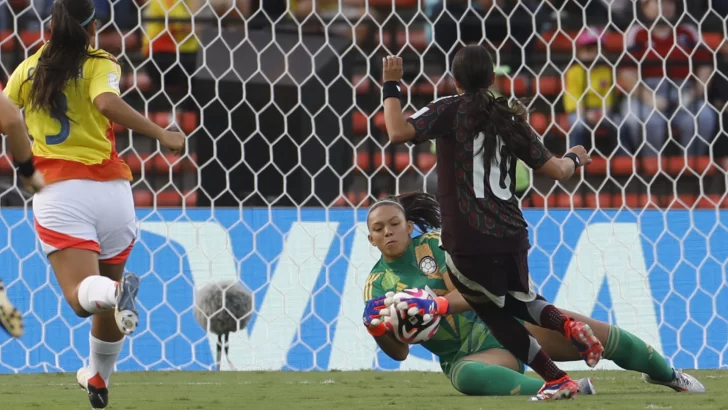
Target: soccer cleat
x=582, y=337
x=682, y=382
x=125, y=311
x=586, y=386
x=564, y=388
x=98, y=393
x=10, y=319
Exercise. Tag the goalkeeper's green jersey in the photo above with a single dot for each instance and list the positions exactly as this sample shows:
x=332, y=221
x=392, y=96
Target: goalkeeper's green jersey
x=423, y=265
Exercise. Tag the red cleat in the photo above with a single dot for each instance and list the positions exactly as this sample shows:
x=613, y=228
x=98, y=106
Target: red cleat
x=564, y=388
x=582, y=337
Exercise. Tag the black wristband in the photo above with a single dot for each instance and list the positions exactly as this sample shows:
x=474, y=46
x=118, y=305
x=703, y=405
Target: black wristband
x=26, y=169
x=575, y=158
x=390, y=89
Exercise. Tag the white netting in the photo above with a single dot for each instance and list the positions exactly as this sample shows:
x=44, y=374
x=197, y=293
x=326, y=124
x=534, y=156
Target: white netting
x=288, y=146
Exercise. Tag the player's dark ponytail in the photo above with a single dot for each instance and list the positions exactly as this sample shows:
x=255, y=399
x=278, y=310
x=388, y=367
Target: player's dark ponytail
x=491, y=115
x=62, y=58
x=420, y=208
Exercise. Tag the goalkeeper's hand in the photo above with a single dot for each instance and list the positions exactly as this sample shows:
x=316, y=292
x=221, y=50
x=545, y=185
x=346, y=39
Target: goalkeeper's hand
x=425, y=307
x=373, y=314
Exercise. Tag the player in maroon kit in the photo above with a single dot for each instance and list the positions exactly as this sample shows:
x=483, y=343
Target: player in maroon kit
x=479, y=138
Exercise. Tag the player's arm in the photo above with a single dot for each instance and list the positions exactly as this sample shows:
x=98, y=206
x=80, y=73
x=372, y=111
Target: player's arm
x=398, y=129
x=565, y=167
x=377, y=303
x=392, y=347
x=105, y=94
x=540, y=159
x=380, y=330
x=13, y=125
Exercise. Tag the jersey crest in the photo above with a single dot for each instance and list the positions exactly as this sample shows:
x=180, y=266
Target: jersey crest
x=428, y=265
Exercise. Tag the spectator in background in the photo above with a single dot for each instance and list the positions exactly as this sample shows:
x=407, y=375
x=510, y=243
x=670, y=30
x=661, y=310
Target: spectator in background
x=719, y=88
x=171, y=45
x=588, y=93
x=506, y=22
x=123, y=12
x=665, y=93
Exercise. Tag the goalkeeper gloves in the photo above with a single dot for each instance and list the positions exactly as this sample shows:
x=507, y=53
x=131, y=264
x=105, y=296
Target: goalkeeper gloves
x=373, y=312
x=425, y=307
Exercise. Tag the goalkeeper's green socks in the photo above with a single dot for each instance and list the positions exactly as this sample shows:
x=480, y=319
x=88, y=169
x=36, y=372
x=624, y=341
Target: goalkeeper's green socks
x=631, y=353
x=479, y=379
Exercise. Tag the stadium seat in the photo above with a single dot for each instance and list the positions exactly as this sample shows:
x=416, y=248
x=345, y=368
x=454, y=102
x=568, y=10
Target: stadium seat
x=187, y=121
x=423, y=85
x=139, y=80
x=110, y=40
x=167, y=198
x=615, y=166
x=522, y=86
x=424, y=161
x=160, y=163
x=115, y=42
x=25, y=39
x=397, y=3
x=414, y=38
x=561, y=41
x=677, y=165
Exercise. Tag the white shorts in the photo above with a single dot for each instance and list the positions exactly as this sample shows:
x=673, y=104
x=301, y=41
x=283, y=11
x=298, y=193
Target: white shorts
x=86, y=214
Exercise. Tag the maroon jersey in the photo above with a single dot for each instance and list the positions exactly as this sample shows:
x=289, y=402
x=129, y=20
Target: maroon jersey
x=479, y=209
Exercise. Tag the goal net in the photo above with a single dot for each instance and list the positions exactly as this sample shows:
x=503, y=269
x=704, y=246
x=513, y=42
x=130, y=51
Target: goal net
x=287, y=149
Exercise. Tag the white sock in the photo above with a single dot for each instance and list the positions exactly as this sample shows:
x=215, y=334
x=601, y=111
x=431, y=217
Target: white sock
x=97, y=294
x=102, y=357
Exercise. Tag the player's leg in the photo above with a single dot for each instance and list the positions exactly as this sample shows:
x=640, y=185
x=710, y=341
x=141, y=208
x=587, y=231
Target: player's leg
x=544, y=314
x=623, y=348
x=522, y=302
x=117, y=233
x=10, y=319
x=483, y=296
x=493, y=372
x=496, y=372
x=105, y=343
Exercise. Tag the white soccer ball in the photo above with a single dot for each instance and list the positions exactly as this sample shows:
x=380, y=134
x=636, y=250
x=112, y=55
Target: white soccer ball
x=409, y=326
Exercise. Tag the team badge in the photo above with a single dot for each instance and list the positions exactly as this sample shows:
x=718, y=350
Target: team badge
x=428, y=266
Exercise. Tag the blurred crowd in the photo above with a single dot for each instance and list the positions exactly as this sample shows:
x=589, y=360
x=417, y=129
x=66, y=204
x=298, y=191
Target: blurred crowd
x=668, y=86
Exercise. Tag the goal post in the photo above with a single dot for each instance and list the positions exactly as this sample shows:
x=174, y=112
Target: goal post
x=288, y=149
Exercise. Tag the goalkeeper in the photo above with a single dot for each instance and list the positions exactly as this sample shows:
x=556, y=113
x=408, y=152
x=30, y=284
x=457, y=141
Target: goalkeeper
x=469, y=355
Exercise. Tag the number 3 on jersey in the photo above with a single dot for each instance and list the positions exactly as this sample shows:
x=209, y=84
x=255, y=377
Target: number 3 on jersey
x=62, y=135
x=499, y=176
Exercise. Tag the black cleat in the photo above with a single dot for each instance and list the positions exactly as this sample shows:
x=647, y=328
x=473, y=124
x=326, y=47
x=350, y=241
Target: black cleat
x=98, y=394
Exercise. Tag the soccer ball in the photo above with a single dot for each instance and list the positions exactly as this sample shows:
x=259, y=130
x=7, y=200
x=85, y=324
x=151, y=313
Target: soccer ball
x=412, y=329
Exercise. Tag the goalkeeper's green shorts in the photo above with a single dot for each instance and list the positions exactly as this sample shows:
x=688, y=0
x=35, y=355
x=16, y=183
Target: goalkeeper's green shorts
x=476, y=342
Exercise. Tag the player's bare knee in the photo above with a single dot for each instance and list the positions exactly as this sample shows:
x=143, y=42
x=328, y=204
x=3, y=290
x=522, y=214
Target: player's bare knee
x=75, y=304
x=78, y=310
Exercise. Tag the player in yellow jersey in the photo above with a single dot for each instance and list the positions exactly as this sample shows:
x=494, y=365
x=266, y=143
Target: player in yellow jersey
x=84, y=215
x=12, y=125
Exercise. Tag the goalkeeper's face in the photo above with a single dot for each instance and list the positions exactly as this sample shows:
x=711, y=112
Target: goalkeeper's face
x=389, y=231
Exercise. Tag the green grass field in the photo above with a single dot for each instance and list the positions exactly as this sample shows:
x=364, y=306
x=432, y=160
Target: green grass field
x=336, y=390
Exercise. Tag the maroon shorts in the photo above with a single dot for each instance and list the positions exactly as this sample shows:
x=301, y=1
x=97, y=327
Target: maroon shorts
x=492, y=274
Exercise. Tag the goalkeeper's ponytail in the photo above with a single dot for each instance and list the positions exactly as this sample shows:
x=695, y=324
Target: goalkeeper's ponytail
x=420, y=208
